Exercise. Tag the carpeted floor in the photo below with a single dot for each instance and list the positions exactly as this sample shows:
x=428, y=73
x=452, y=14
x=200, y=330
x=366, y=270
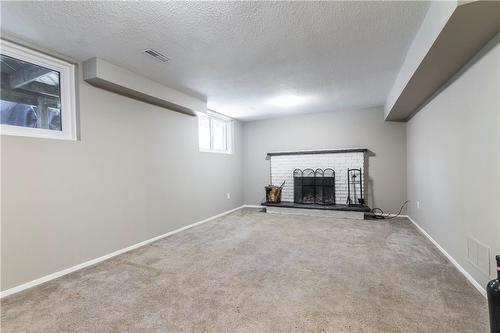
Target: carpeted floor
x=257, y=272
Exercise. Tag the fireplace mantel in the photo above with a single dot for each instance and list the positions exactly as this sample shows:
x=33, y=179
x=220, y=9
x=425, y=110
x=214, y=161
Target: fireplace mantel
x=321, y=151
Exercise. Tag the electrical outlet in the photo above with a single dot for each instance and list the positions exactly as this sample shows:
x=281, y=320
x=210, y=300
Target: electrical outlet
x=418, y=204
x=228, y=195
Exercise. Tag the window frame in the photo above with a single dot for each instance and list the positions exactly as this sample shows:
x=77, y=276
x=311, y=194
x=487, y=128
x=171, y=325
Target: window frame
x=67, y=93
x=210, y=115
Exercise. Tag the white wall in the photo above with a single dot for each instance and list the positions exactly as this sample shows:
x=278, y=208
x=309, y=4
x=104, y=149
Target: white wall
x=386, y=164
x=136, y=173
x=453, y=158
x=137, y=169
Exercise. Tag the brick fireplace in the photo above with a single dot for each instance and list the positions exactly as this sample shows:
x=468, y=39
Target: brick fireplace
x=284, y=165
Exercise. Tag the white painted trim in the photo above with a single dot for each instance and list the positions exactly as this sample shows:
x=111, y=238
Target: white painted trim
x=215, y=151
x=72, y=269
x=388, y=215
x=67, y=95
x=228, y=124
x=253, y=206
x=58, y=274
x=450, y=258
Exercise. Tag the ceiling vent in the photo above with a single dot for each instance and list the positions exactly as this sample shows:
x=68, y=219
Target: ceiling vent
x=157, y=55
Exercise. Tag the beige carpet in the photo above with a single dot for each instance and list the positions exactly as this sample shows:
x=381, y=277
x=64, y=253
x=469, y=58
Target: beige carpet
x=257, y=272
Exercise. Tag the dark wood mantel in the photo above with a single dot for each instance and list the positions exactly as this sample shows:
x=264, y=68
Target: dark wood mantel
x=322, y=151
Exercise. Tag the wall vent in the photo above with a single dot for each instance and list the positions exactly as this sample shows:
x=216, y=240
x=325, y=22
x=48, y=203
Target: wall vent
x=478, y=255
x=157, y=55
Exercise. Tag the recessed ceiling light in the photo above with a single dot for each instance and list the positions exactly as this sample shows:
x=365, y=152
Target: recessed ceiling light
x=287, y=100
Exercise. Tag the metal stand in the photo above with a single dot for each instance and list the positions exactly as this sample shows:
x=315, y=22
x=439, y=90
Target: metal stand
x=355, y=196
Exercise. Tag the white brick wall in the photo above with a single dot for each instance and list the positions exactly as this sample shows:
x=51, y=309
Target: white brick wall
x=282, y=167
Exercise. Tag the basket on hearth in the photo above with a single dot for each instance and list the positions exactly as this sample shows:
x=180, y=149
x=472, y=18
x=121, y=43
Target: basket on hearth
x=273, y=193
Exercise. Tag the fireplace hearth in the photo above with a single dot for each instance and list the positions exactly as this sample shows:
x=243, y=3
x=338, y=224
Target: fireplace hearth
x=326, y=181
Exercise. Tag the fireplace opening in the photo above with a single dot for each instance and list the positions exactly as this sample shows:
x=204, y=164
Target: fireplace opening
x=314, y=186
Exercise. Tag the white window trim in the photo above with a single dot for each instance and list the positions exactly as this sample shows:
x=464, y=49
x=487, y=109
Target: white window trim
x=67, y=86
x=229, y=132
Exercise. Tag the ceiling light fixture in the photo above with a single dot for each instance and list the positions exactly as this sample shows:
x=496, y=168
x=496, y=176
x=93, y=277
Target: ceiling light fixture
x=287, y=100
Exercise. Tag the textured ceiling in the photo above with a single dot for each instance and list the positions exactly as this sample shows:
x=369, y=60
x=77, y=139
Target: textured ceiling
x=239, y=55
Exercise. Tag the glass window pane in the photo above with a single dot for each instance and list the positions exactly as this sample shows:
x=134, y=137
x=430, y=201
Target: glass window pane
x=204, y=132
x=30, y=95
x=219, y=135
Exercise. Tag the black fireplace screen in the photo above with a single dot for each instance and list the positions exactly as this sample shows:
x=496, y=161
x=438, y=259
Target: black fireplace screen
x=314, y=187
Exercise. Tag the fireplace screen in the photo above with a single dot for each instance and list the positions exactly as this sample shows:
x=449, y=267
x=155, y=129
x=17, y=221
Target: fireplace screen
x=314, y=187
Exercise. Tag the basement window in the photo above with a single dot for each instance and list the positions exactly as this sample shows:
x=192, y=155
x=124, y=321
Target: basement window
x=215, y=133
x=37, y=97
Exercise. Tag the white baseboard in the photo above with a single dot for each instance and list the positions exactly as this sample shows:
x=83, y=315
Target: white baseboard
x=396, y=215
x=58, y=274
x=252, y=206
x=450, y=258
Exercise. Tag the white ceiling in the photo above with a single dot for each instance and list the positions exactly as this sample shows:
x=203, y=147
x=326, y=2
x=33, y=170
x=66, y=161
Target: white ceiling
x=239, y=55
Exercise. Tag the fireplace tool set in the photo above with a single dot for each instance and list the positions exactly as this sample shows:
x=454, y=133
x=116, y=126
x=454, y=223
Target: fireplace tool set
x=355, y=188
